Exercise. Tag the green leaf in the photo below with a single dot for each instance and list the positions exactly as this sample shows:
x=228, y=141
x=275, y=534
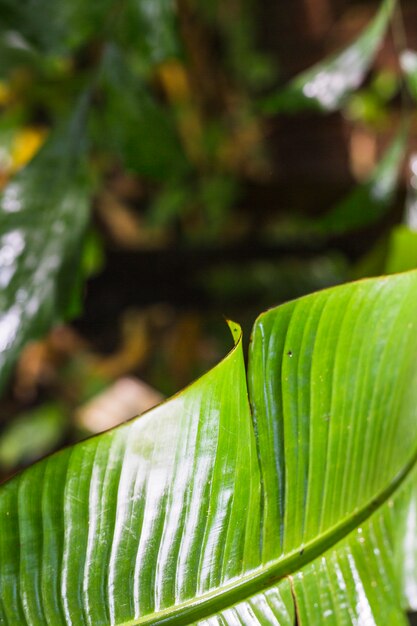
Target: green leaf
x=402, y=250
x=370, y=200
x=150, y=28
x=325, y=86
x=31, y=435
x=212, y=510
x=69, y=22
x=401, y=254
x=408, y=62
x=43, y=215
x=136, y=128
x=14, y=51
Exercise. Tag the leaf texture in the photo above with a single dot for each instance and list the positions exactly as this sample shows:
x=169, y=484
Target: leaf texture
x=211, y=509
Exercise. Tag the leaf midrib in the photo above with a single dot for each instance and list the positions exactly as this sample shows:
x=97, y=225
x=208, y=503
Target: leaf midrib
x=263, y=578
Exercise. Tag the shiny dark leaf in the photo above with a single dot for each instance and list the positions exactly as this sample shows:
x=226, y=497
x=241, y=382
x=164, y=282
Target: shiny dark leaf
x=43, y=215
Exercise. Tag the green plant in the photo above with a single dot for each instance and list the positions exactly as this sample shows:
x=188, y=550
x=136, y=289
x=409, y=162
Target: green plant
x=285, y=492
x=291, y=493
x=173, y=144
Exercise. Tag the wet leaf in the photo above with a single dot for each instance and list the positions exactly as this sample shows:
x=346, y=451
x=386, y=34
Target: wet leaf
x=43, y=215
x=218, y=508
x=325, y=86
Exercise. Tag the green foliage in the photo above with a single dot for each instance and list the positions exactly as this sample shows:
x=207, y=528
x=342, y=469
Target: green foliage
x=133, y=126
x=402, y=252
x=325, y=86
x=70, y=23
x=285, y=491
x=32, y=435
x=368, y=202
x=149, y=28
x=43, y=216
x=409, y=66
x=215, y=506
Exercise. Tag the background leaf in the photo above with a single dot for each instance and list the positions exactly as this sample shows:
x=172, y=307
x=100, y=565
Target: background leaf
x=43, y=215
x=136, y=128
x=409, y=66
x=69, y=23
x=149, y=28
x=369, y=201
x=325, y=86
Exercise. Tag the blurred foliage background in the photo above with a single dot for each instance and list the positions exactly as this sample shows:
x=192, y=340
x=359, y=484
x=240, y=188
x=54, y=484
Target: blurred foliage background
x=164, y=163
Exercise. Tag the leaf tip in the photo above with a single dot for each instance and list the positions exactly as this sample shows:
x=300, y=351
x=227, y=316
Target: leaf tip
x=236, y=330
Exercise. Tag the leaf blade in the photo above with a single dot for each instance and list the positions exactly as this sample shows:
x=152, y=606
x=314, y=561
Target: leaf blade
x=43, y=214
x=181, y=487
x=325, y=86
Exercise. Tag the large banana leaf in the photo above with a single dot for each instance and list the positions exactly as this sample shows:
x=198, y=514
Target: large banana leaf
x=289, y=494
x=43, y=214
x=325, y=86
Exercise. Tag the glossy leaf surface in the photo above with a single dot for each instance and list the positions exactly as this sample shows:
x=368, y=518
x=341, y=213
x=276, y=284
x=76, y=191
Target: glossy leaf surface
x=43, y=214
x=325, y=86
x=213, y=510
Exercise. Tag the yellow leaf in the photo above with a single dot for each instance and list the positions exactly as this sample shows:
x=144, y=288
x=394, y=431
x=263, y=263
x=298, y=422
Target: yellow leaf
x=25, y=145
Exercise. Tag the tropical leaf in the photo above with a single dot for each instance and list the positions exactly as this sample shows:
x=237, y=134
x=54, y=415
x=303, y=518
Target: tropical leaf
x=325, y=86
x=43, y=214
x=370, y=200
x=213, y=510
